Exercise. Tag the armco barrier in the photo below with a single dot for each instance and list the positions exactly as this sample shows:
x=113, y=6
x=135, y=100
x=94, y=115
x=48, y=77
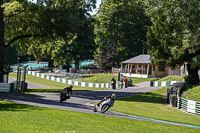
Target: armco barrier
x=4, y=87
x=71, y=82
x=188, y=105
x=163, y=83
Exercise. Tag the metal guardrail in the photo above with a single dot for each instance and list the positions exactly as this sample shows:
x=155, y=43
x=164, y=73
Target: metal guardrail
x=4, y=87
x=162, y=83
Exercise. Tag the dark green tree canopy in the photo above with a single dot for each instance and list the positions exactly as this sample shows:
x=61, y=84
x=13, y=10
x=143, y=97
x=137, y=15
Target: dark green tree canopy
x=43, y=27
x=174, y=37
x=120, y=30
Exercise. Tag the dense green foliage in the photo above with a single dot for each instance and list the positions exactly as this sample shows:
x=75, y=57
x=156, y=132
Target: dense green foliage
x=173, y=39
x=47, y=29
x=64, y=31
x=78, y=44
x=120, y=29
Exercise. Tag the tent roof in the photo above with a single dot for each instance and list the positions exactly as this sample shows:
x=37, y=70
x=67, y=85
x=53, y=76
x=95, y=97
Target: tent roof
x=140, y=59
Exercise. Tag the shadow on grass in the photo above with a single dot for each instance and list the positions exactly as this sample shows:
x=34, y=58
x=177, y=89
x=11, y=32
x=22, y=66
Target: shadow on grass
x=87, y=76
x=44, y=90
x=49, y=90
x=10, y=106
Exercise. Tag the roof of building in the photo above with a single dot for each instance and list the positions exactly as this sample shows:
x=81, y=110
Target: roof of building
x=140, y=59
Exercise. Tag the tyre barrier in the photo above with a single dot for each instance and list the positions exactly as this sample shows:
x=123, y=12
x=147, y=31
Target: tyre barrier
x=175, y=100
x=188, y=105
x=162, y=83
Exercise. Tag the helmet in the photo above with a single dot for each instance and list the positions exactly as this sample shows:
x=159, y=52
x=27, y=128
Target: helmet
x=113, y=96
x=71, y=86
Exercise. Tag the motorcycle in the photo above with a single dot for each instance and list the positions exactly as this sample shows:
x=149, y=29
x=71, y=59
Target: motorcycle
x=64, y=96
x=104, y=105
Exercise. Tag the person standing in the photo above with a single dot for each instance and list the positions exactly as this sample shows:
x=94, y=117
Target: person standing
x=125, y=82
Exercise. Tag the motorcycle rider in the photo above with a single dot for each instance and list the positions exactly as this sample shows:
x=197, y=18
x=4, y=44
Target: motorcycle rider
x=112, y=97
x=68, y=89
x=66, y=93
x=113, y=83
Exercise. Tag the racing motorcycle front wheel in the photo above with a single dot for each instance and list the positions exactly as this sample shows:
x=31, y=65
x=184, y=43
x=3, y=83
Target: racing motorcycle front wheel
x=105, y=108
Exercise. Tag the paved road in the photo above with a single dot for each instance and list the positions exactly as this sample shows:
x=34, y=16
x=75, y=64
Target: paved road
x=78, y=101
x=81, y=102
x=30, y=85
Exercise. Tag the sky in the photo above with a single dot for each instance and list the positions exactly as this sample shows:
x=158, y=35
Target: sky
x=97, y=5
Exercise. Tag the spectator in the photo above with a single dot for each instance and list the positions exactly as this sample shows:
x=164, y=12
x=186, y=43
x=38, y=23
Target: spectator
x=125, y=82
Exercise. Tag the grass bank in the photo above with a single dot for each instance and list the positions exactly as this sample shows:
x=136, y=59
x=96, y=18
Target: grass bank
x=105, y=78
x=192, y=94
x=151, y=105
x=15, y=118
x=53, y=86
x=172, y=78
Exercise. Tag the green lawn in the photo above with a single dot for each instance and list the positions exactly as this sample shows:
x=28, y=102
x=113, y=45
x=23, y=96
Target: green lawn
x=105, y=78
x=151, y=105
x=192, y=94
x=172, y=78
x=53, y=85
x=16, y=118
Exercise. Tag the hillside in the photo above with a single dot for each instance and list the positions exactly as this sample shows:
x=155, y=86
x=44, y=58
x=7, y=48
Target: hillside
x=192, y=94
x=172, y=78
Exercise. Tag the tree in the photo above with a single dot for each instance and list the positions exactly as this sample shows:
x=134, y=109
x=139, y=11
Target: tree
x=79, y=45
x=36, y=26
x=120, y=31
x=174, y=37
x=2, y=45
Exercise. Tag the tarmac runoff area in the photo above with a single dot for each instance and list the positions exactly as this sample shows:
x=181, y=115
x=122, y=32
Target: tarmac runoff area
x=81, y=101
x=30, y=85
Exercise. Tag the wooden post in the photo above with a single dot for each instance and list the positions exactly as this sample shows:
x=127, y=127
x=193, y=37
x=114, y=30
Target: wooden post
x=148, y=71
x=131, y=67
x=142, y=69
x=128, y=68
x=137, y=69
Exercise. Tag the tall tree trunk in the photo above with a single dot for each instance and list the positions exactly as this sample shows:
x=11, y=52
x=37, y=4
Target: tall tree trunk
x=193, y=77
x=77, y=65
x=67, y=67
x=1, y=42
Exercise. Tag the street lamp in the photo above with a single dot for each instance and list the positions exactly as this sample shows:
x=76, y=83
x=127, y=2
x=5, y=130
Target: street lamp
x=119, y=75
x=130, y=80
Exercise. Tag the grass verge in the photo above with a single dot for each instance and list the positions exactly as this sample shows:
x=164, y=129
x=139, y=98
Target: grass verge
x=53, y=86
x=151, y=105
x=15, y=118
x=172, y=78
x=105, y=78
x=192, y=94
